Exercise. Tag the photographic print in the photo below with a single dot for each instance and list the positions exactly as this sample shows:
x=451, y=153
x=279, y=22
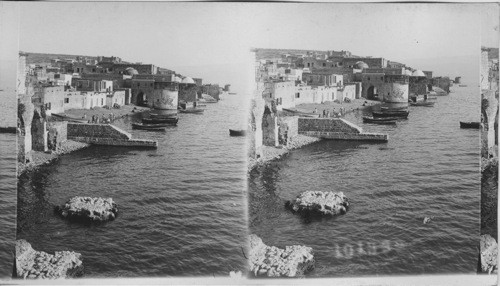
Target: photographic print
x=365, y=146
x=127, y=163
x=231, y=143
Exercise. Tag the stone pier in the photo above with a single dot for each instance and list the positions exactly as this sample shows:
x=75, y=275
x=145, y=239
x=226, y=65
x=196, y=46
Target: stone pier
x=336, y=129
x=105, y=134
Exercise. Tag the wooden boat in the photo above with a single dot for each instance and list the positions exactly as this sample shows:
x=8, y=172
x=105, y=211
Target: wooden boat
x=233, y=132
x=12, y=130
x=462, y=85
x=301, y=114
x=422, y=103
x=150, y=127
x=64, y=117
x=392, y=113
x=161, y=116
x=385, y=121
x=167, y=120
x=474, y=125
x=191, y=110
x=387, y=108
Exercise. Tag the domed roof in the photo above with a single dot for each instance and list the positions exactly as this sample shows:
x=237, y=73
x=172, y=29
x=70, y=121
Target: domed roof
x=177, y=79
x=131, y=71
x=407, y=72
x=306, y=70
x=361, y=65
x=418, y=73
x=187, y=80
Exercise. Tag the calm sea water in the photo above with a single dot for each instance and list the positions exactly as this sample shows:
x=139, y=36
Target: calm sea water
x=430, y=167
x=182, y=207
x=7, y=181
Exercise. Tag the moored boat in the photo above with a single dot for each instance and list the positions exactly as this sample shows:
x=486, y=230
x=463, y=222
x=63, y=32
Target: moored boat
x=151, y=127
x=473, y=125
x=390, y=108
x=391, y=113
x=422, y=103
x=462, y=85
x=65, y=117
x=384, y=121
x=234, y=132
x=191, y=110
x=161, y=116
x=166, y=120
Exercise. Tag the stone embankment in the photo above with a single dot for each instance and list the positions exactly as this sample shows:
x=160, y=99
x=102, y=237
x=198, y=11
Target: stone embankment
x=488, y=254
x=319, y=203
x=271, y=261
x=87, y=208
x=43, y=158
x=32, y=264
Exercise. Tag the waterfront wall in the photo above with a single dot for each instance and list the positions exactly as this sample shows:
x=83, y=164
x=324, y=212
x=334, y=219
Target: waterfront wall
x=96, y=131
x=326, y=125
x=336, y=128
x=105, y=134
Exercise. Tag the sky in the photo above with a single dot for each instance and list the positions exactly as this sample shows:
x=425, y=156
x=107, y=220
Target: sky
x=212, y=40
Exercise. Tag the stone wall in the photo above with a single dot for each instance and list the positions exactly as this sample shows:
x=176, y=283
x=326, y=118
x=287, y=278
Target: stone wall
x=269, y=127
x=188, y=92
x=288, y=129
x=327, y=125
x=57, y=134
x=39, y=132
x=96, y=131
x=418, y=85
x=394, y=92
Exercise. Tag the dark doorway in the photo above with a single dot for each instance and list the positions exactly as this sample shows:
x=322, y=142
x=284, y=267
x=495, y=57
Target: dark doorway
x=372, y=93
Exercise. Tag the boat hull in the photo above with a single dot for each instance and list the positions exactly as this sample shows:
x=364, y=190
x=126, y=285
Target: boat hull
x=470, y=125
x=399, y=114
x=383, y=121
x=169, y=120
x=237, y=132
x=192, y=110
x=149, y=127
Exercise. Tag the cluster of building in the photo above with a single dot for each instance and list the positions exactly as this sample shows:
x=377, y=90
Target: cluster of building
x=317, y=77
x=489, y=106
x=89, y=82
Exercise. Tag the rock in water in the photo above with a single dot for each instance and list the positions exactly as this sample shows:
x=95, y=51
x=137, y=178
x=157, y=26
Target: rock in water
x=271, y=261
x=38, y=264
x=489, y=252
x=87, y=208
x=322, y=203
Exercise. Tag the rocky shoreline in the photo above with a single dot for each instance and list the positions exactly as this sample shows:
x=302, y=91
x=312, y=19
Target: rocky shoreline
x=271, y=261
x=32, y=264
x=41, y=158
x=270, y=154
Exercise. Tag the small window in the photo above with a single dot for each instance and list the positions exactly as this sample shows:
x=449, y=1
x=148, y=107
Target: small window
x=368, y=78
x=66, y=100
x=297, y=95
x=381, y=78
x=324, y=64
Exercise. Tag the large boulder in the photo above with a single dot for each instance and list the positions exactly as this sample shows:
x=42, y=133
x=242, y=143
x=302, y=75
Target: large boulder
x=32, y=264
x=87, y=208
x=319, y=203
x=488, y=253
x=271, y=261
